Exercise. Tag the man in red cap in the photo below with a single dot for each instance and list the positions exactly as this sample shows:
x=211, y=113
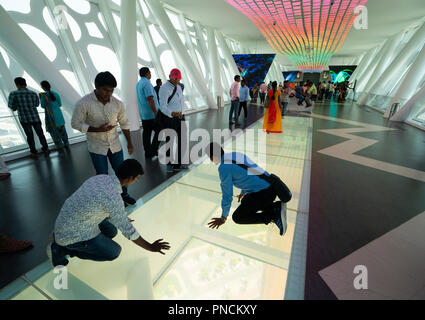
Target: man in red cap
x=170, y=115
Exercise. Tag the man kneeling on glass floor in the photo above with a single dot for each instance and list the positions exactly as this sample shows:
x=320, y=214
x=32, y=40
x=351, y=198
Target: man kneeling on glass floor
x=257, y=205
x=89, y=219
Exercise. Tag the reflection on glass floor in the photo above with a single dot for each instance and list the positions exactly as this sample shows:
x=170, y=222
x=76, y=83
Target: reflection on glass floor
x=234, y=262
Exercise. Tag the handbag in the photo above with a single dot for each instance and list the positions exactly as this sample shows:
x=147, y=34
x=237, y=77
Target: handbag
x=282, y=191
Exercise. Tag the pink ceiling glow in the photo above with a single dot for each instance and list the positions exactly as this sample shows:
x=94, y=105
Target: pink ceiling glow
x=308, y=31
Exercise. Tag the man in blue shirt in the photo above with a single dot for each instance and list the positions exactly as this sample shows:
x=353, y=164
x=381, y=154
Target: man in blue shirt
x=148, y=107
x=257, y=206
x=243, y=99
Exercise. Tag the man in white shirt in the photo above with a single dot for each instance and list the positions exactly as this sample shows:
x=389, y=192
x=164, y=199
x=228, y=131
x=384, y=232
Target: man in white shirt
x=234, y=97
x=97, y=115
x=170, y=116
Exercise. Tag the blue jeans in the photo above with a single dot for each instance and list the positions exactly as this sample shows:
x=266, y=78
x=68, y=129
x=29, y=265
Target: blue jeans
x=100, y=163
x=234, y=109
x=284, y=106
x=100, y=248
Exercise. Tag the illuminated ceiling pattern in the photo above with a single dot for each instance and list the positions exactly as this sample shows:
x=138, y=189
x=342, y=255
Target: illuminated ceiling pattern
x=309, y=32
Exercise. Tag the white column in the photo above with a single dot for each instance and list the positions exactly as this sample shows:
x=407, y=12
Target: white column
x=367, y=73
x=129, y=62
x=227, y=54
x=180, y=50
x=205, y=53
x=7, y=80
x=370, y=61
x=214, y=65
x=151, y=46
x=386, y=58
x=34, y=62
x=399, y=62
x=105, y=10
x=410, y=82
x=71, y=50
x=413, y=106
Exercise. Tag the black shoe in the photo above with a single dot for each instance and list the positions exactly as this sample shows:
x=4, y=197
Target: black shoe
x=57, y=255
x=128, y=201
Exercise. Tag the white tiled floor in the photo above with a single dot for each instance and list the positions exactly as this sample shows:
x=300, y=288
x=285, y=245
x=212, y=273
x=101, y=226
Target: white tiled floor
x=234, y=262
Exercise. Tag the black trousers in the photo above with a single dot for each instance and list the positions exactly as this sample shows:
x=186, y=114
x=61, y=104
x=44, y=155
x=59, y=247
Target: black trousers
x=257, y=208
x=30, y=135
x=243, y=105
x=175, y=124
x=150, y=146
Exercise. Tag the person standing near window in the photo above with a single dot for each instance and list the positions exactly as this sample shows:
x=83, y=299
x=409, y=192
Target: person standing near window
x=157, y=87
x=148, y=108
x=97, y=115
x=26, y=102
x=170, y=116
x=55, y=122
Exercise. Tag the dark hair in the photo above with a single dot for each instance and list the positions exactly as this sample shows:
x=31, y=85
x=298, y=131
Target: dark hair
x=46, y=85
x=274, y=86
x=130, y=168
x=158, y=81
x=237, y=76
x=20, y=81
x=143, y=71
x=105, y=79
x=243, y=82
x=213, y=148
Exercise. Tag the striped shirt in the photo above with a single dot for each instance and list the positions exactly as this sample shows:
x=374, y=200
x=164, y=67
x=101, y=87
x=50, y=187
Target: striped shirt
x=99, y=198
x=25, y=102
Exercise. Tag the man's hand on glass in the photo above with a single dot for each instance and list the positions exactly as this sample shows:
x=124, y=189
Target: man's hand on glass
x=215, y=223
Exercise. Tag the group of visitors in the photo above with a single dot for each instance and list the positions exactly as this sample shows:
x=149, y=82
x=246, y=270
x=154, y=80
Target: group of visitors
x=91, y=217
x=25, y=102
x=329, y=90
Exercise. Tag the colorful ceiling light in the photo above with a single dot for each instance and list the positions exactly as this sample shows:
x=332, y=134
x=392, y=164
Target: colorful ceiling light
x=308, y=31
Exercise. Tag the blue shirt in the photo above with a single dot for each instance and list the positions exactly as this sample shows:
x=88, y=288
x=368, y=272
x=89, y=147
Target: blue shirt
x=233, y=175
x=243, y=94
x=145, y=90
x=176, y=104
x=54, y=108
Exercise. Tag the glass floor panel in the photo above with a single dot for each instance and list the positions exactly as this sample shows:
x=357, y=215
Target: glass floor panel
x=205, y=176
x=265, y=235
x=179, y=214
x=207, y=272
x=30, y=293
